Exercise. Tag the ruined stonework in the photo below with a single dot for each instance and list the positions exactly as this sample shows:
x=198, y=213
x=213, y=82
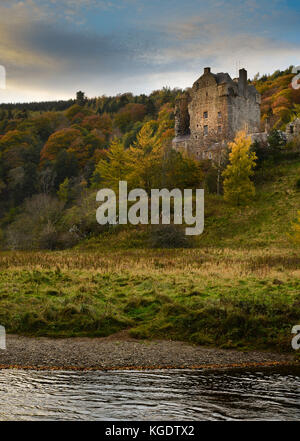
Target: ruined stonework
x=210, y=114
x=293, y=129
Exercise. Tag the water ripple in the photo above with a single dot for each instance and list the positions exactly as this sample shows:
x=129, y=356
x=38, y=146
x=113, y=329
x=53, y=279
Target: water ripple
x=155, y=395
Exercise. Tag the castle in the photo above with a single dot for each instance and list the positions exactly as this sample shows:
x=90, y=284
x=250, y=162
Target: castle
x=210, y=114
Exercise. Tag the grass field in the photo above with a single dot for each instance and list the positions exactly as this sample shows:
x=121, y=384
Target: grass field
x=238, y=286
x=211, y=296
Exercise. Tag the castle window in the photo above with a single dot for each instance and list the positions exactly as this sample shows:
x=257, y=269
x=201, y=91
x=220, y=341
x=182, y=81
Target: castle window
x=205, y=115
x=219, y=115
x=219, y=129
x=210, y=155
x=291, y=129
x=205, y=130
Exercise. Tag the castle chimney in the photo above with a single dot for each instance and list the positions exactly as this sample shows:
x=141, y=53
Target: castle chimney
x=207, y=70
x=242, y=81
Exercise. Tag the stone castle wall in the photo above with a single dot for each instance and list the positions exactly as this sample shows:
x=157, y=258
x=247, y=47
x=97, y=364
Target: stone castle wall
x=213, y=111
x=293, y=129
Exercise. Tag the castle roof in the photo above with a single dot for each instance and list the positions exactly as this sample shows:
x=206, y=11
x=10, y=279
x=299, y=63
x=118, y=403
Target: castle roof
x=225, y=78
x=222, y=78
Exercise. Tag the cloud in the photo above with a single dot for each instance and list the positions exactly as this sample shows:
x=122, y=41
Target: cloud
x=55, y=47
x=229, y=33
x=40, y=55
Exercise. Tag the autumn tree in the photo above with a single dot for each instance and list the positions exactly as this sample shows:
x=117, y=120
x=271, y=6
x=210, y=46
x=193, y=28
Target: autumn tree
x=180, y=171
x=146, y=158
x=77, y=113
x=60, y=140
x=115, y=168
x=47, y=123
x=296, y=230
x=14, y=145
x=130, y=137
x=103, y=124
x=84, y=146
x=128, y=115
x=238, y=187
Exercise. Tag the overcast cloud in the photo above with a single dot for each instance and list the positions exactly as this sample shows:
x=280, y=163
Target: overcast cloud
x=53, y=48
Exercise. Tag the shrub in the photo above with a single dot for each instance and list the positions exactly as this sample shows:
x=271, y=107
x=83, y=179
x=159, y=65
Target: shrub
x=37, y=225
x=298, y=184
x=168, y=236
x=294, y=144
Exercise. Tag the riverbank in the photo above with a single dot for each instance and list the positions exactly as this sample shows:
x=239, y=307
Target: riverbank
x=119, y=351
x=230, y=299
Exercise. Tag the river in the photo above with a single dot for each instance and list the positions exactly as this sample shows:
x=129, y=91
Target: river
x=150, y=395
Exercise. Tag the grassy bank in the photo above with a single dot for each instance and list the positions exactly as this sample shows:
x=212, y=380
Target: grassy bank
x=238, y=286
x=216, y=297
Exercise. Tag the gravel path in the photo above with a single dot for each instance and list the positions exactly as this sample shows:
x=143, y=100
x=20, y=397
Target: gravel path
x=120, y=351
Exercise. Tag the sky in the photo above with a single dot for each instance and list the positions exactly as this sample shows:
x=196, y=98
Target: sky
x=52, y=48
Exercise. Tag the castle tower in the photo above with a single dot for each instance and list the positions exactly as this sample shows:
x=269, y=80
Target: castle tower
x=213, y=111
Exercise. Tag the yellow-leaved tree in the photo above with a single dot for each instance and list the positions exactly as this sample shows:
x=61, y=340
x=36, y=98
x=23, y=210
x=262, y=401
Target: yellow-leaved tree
x=116, y=168
x=145, y=159
x=296, y=230
x=238, y=187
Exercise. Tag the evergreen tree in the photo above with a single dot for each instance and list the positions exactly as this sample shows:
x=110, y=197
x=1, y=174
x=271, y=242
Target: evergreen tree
x=65, y=166
x=80, y=98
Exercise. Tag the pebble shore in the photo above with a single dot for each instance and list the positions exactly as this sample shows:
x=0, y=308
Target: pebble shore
x=119, y=351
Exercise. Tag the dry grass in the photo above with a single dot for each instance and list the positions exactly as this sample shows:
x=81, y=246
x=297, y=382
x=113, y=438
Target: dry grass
x=209, y=262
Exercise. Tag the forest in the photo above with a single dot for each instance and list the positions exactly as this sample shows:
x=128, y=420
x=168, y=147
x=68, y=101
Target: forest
x=54, y=156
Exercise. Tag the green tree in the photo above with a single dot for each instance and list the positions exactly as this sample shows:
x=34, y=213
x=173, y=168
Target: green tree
x=80, y=98
x=275, y=141
x=180, y=171
x=238, y=187
x=65, y=166
x=63, y=192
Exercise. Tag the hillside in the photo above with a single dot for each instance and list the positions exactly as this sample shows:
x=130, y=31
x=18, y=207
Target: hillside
x=53, y=157
x=266, y=222
x=280, y=102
